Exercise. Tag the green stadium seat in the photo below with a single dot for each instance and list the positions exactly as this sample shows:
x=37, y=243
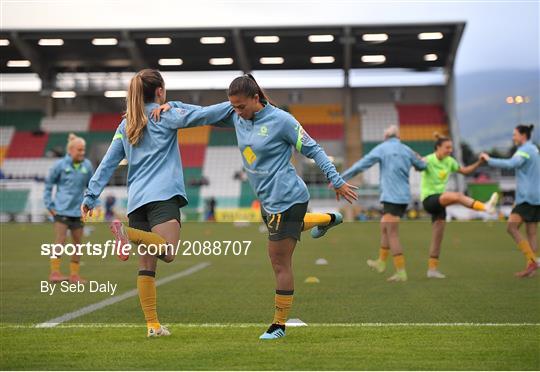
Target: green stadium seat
x=222, y=137
x=57, y=141
x=193, y=192
x=421, y=147
x=21, y=120
x=246, y=195
x=13, y=201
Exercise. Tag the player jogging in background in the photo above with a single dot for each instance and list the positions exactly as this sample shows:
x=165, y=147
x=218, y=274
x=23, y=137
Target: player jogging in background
x=267, y=137
x=70, y=175
x=526, y=162
x=395, y=161
x=440, y=164
x=156, y=190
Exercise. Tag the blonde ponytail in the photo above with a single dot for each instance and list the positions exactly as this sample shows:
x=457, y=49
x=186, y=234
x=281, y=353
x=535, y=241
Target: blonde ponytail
x=136, y=118
x=142, y=89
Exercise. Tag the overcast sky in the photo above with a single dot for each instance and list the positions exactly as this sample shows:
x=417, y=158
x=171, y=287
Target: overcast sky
x=499, y=34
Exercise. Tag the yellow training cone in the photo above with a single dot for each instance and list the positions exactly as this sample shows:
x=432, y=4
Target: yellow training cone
x=312, y=279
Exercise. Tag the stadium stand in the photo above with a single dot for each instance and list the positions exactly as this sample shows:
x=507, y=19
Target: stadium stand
x=220, y=165
x=66, y=122
x=322, y=122
x=210, y=155
x=26, y=168
x=27, y=145
x=13, y=201
x=22, y=120
x=104, y=122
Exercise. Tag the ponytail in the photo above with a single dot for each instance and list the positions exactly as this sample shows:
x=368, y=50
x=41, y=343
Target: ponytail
x=246, y=85
x=142, y=88
x=440, y=139
x=525, y=129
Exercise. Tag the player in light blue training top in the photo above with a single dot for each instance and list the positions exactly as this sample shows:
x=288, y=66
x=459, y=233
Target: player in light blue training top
x=395, y=161
x=155, y=181
x=526, y=162
x=70, y=175
x=267, y=137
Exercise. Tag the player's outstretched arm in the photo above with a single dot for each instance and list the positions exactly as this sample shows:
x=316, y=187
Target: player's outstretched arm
x=176, y=115
x=465, y=170
x=307, y=146
x=361, y=165
x=515, y=161
x=103, y=174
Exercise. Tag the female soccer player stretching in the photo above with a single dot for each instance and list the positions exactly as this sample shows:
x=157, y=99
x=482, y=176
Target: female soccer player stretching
x=156, y=189
x=266, y=139
x=395, y=160
x=435, y=199
x=526, y=161
x=71, y=176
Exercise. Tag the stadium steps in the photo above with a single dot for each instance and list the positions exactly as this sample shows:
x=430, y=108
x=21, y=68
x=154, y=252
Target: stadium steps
x=317, y=114
x=66, y=122
x=321, y=192
x=222, y=137
x=58, y=141
x=375, y=118
x=27, y=167
x=192, y=155
x=27, y=145
x=3, y=152
x=13, y=201
x=105, y=122
x=422, y=132
x=421, y=114
x=421, y=147
x=220, y=165
x=193, y=192
x=324, y=132
x=194, y=136
x=247, y=196
x=322, y=122
x=6, y=135
x=28, y=120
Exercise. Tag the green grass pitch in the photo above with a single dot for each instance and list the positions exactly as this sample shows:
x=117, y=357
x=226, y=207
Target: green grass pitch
x=356, y=320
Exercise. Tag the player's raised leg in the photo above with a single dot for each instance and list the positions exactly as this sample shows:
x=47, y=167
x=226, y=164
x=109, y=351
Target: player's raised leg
x=450, y=197
x=125, y=235
x=320, y=223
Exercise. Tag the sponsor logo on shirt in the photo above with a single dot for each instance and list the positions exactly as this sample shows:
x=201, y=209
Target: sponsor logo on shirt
x=263, y=131
x=249, y=155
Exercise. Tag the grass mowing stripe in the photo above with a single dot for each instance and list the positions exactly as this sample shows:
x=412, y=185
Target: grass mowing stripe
x=110, y=301
x=248, y=325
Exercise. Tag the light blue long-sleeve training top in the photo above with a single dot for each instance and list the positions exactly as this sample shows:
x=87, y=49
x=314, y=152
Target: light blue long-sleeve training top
x=395, y=160
x=526, y=161
x=71, y=180
x=266, y=144
x=154, y=164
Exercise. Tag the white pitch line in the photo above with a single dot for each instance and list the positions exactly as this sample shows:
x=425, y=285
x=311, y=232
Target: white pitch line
x=100, y=305
x=249, y=325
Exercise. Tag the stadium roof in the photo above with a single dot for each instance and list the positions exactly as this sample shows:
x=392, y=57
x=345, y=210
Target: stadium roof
x=419, y=47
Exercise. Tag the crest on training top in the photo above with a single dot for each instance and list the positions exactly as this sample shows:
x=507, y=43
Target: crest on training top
x=263, y=131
